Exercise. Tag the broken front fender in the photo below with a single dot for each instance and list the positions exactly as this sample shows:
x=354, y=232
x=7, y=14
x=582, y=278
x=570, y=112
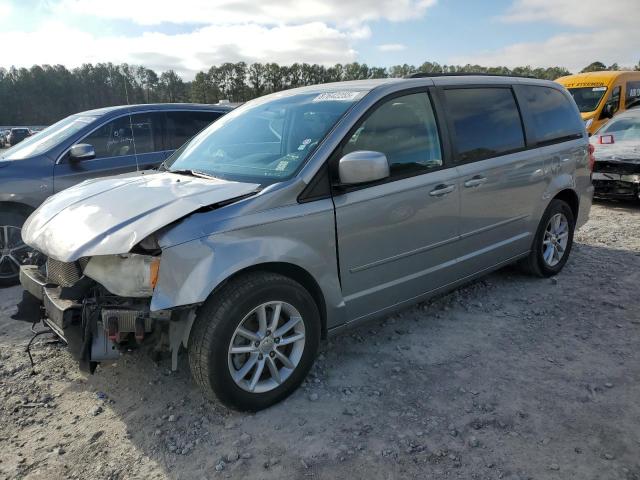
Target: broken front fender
x=190, y=271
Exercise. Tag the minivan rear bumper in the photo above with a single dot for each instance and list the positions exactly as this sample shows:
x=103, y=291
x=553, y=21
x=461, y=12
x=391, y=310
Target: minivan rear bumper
x=586, y=200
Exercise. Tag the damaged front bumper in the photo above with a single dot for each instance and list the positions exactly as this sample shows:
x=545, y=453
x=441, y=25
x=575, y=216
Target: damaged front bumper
x=93, y=327
x=616, y=180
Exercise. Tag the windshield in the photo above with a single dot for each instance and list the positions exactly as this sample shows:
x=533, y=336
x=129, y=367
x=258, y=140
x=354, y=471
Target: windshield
x=48, y=138
x=626, y=128
x=587, y=98
x=266, y=140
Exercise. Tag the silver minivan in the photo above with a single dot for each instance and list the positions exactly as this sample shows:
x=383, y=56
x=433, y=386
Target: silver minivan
x=307, y=211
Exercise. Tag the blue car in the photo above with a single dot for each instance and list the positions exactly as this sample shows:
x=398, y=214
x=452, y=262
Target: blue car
x=91, y=144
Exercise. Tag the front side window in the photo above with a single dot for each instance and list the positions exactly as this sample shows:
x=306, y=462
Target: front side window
x=486, y=122
x=553, y=115
x=587, y=98
x=613, y=102
x=181, y=126
x=128, y=135
x=266, y=140
x=404, y=129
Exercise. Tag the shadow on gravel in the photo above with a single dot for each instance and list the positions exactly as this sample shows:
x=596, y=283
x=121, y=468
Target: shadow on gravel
x=632, y=206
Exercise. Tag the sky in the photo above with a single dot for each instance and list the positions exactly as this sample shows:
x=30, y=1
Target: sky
x=191, y=35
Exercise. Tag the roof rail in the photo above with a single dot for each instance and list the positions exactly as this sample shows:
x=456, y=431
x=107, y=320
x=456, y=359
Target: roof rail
x=465, y=74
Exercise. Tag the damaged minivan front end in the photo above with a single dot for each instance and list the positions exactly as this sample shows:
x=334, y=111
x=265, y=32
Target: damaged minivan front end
x=96, y=288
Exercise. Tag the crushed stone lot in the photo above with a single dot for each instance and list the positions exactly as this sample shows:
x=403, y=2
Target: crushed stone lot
x=510, y=377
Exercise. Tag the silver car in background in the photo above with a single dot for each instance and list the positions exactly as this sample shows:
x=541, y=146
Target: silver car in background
x=307, y=211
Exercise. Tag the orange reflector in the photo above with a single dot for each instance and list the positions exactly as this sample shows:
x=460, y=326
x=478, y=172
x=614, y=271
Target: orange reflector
x=154, y=271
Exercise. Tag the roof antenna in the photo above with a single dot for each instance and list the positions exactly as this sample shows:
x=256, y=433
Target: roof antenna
x=133, y=137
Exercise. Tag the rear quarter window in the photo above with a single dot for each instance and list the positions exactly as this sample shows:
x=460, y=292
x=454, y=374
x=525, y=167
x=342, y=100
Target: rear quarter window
x=485, y=121
x=552, y=116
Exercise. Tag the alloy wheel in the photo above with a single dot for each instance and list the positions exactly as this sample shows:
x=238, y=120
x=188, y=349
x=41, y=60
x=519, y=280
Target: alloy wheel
x=266, y=347
x=13, y=251
x=556, y=238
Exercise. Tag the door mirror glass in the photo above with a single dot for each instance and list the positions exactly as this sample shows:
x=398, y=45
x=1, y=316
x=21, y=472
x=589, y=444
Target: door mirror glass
x=82, y=151
x=607, y=111
x=363, y=166
x=613, y=104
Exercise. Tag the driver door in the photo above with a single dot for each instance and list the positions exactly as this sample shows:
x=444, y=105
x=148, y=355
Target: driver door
x=397, y=239
x=122, y=145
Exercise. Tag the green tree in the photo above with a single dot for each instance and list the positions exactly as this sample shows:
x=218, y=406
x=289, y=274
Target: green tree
x=594, y=67
x=199, y=88
x=171, y=87
x=256, y=79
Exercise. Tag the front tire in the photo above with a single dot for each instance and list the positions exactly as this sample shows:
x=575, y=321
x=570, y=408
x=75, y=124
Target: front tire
x=13, y=251
x=254, y=340
x=553, y=241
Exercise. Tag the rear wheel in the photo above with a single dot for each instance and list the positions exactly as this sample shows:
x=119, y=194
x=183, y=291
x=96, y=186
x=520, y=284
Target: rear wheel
x=13, y=251
x=254, y=340
x=553, y=241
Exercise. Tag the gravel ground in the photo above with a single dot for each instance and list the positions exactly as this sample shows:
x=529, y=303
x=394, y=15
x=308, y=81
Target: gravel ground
x=511, y=377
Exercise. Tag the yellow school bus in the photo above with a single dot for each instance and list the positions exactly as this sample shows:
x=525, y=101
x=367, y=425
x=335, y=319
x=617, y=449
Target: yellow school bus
x=600, y=95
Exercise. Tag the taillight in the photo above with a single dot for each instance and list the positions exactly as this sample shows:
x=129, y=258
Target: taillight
x=592, y=158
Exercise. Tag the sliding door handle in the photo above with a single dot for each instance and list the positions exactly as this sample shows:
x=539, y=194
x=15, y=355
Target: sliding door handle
x=475, y=181
x=441, y=190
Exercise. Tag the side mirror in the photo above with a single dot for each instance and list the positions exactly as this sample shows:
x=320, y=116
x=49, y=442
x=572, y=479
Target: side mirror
x=363, y=166
x=82, y=151
x=607, y=111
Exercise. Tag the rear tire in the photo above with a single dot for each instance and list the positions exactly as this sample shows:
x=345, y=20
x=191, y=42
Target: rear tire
x=553, y=241
x=267, y=369
x=13, y=252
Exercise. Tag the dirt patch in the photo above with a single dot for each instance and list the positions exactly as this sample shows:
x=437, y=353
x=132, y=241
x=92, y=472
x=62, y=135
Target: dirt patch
x=511, y=377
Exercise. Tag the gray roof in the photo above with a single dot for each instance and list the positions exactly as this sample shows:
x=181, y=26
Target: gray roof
x=160, y=106
x=437, y=79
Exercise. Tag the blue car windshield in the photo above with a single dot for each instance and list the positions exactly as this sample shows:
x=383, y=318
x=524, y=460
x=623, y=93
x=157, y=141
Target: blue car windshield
x=266, y=140
x=48, y=138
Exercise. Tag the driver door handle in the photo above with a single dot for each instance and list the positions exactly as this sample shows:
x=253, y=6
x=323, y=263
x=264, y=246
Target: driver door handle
x=475, y=181
x=441, y=190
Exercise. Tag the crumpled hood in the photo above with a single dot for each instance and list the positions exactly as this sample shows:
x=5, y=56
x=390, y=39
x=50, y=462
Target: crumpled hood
x=621, y=151
x=110, y=216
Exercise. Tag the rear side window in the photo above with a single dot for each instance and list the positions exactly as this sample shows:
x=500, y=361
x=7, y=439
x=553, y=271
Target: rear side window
x=181, y=126
x=554, y=117
x=486, y=122
x=404, y=129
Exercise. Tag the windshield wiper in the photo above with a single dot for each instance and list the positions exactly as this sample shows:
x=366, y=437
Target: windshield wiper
x=192, y=173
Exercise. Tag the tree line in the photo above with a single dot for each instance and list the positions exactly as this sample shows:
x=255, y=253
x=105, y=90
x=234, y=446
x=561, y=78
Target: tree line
x=43, y=94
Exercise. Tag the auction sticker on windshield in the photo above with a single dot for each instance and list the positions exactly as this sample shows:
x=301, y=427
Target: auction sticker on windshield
x=336, y=96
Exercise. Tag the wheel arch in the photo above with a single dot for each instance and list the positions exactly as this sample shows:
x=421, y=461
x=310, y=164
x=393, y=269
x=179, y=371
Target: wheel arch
x=295, y=272
x=16, y=206
x=570, y=197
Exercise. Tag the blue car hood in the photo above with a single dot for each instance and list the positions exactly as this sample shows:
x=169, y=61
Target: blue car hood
x=110, y=216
